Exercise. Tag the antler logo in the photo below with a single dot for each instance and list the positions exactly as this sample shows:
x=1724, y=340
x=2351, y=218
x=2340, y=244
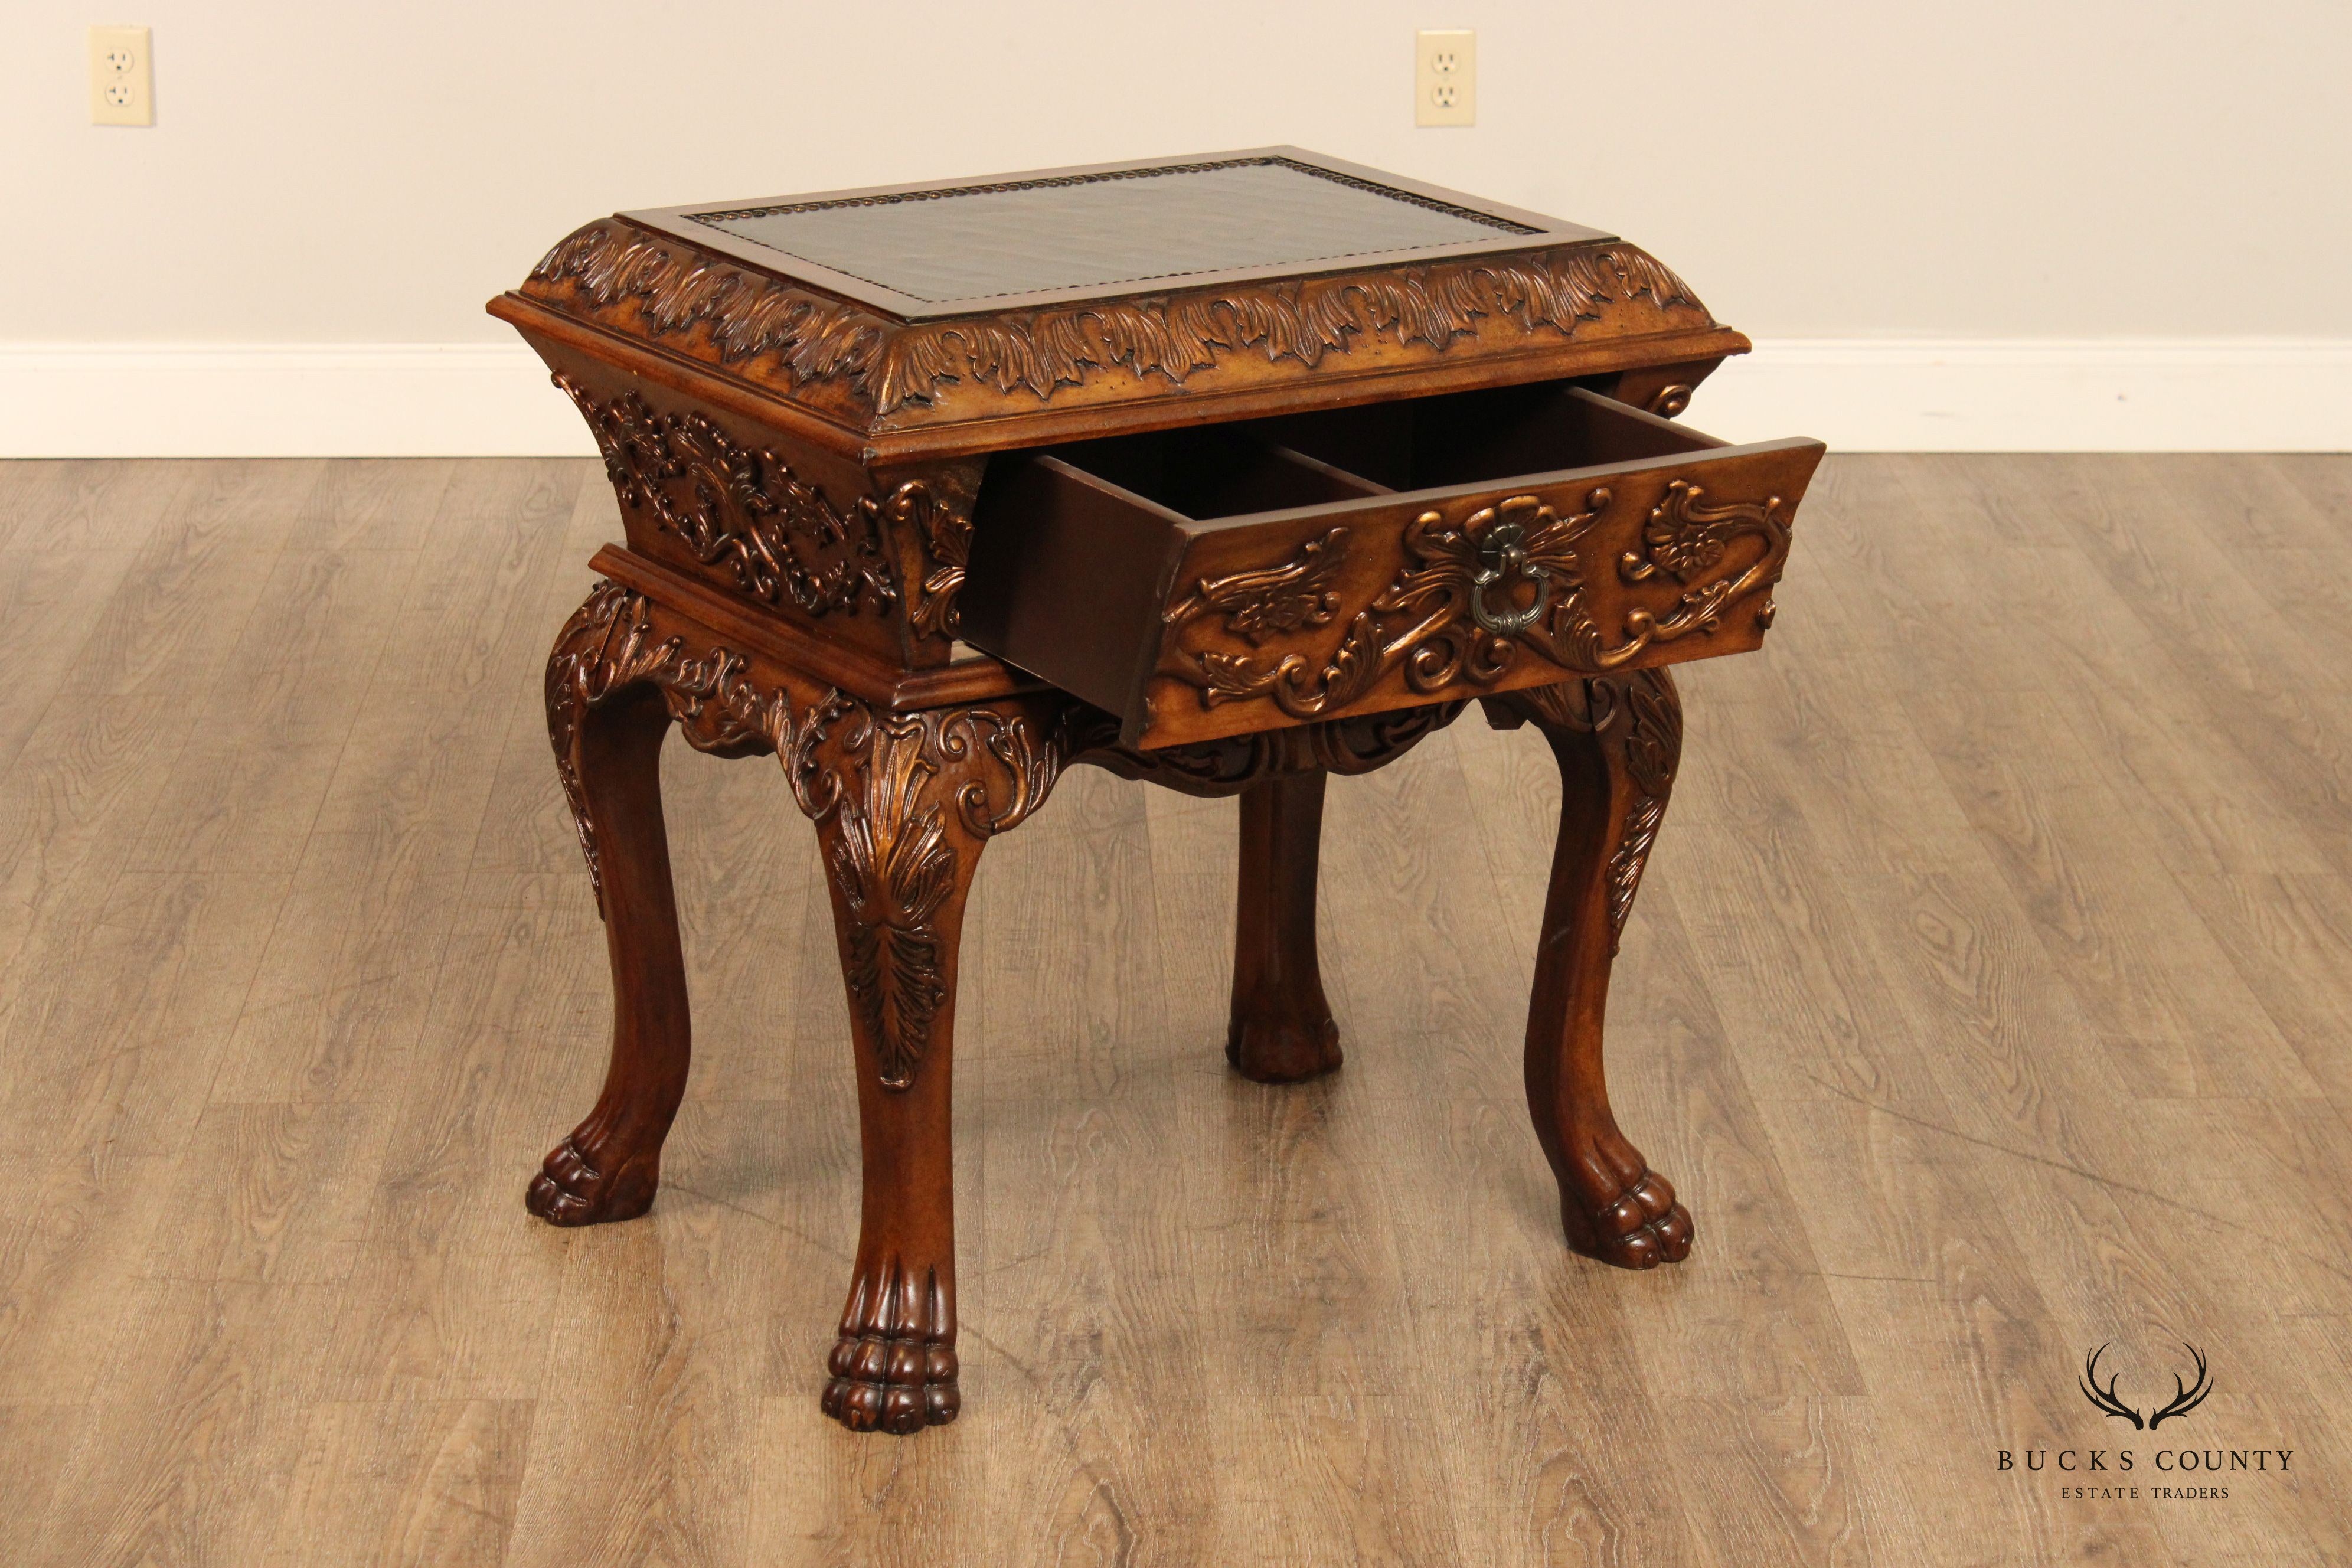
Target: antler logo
x=2184, y=1398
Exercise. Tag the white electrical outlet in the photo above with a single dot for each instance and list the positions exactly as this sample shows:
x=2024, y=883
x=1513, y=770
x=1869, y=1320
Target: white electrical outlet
x=121, y=84
x=1446, y=77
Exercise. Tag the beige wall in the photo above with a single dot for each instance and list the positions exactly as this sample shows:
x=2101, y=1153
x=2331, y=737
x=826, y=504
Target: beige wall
x=371, y=172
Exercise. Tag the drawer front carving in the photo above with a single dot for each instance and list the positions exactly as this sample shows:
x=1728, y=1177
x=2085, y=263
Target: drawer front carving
x=1414, y=601
x=1220, y=580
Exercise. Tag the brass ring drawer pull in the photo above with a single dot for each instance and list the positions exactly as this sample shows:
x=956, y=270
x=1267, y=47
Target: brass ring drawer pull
x=1500, y=556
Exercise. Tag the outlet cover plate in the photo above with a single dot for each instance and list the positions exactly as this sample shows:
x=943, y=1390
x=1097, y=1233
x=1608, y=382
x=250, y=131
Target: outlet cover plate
x=121, y=83
x=1446, y=77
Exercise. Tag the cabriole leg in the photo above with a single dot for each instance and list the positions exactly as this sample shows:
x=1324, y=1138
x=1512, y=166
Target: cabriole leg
x=903, y=804
x=1617, y=738
x=1282, y=1030
x=608, y=736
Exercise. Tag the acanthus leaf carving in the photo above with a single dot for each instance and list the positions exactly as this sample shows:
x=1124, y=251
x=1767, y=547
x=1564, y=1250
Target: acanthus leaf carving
x=1637, y=718
x=895, y=868
x=609, y=644
x=940, y=537
x=903, y=797
x=1176, y=335
x=1653, y=744
x=668, y=286
x=881, y=785
x=673, y=288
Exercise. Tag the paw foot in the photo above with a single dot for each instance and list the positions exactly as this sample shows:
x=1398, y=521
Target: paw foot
x=894, y=1367
x=1641, y=1228
x=1283, y=1050
x=883, y=1383
x=571, y=1189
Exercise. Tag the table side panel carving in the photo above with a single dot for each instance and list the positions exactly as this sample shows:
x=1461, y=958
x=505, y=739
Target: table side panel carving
x=877, y=555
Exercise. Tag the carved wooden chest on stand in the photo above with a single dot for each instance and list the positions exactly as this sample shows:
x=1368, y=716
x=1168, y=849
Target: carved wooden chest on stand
x=1223, y=473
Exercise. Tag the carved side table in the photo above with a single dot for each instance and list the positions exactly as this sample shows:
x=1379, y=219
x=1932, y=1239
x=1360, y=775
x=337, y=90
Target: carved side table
x=1225, y=473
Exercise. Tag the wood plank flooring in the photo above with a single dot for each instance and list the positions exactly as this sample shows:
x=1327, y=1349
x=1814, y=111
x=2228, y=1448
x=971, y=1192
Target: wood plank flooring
x=1988, y=1000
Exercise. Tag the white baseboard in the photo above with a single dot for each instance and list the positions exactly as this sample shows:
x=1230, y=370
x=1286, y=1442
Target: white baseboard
x=2039, y=395
x=283, y=400
x=93, y=400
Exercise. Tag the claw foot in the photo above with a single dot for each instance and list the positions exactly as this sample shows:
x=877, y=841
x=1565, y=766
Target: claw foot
x=1640, y=1227
x=573, y=1187
x=894, y=1366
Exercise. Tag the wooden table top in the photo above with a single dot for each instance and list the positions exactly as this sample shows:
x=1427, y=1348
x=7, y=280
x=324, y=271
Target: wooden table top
x=962, y=316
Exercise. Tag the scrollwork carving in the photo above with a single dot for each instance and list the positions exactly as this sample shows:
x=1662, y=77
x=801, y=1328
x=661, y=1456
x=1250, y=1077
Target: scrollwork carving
x=1434, y=622
x=743, y=509
x=1273, y=600
x=1686, y=537
x=610, y=644
x=940, y=535
x=1422, y=620
x=1353, y=744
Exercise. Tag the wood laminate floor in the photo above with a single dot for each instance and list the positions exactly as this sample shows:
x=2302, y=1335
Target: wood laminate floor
x=1988, y=1001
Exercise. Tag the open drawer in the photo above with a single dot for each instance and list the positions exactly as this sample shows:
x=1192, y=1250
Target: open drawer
x=1227, y=578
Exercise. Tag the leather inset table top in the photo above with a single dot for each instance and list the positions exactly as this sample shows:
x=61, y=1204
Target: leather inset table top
x=972, y=245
